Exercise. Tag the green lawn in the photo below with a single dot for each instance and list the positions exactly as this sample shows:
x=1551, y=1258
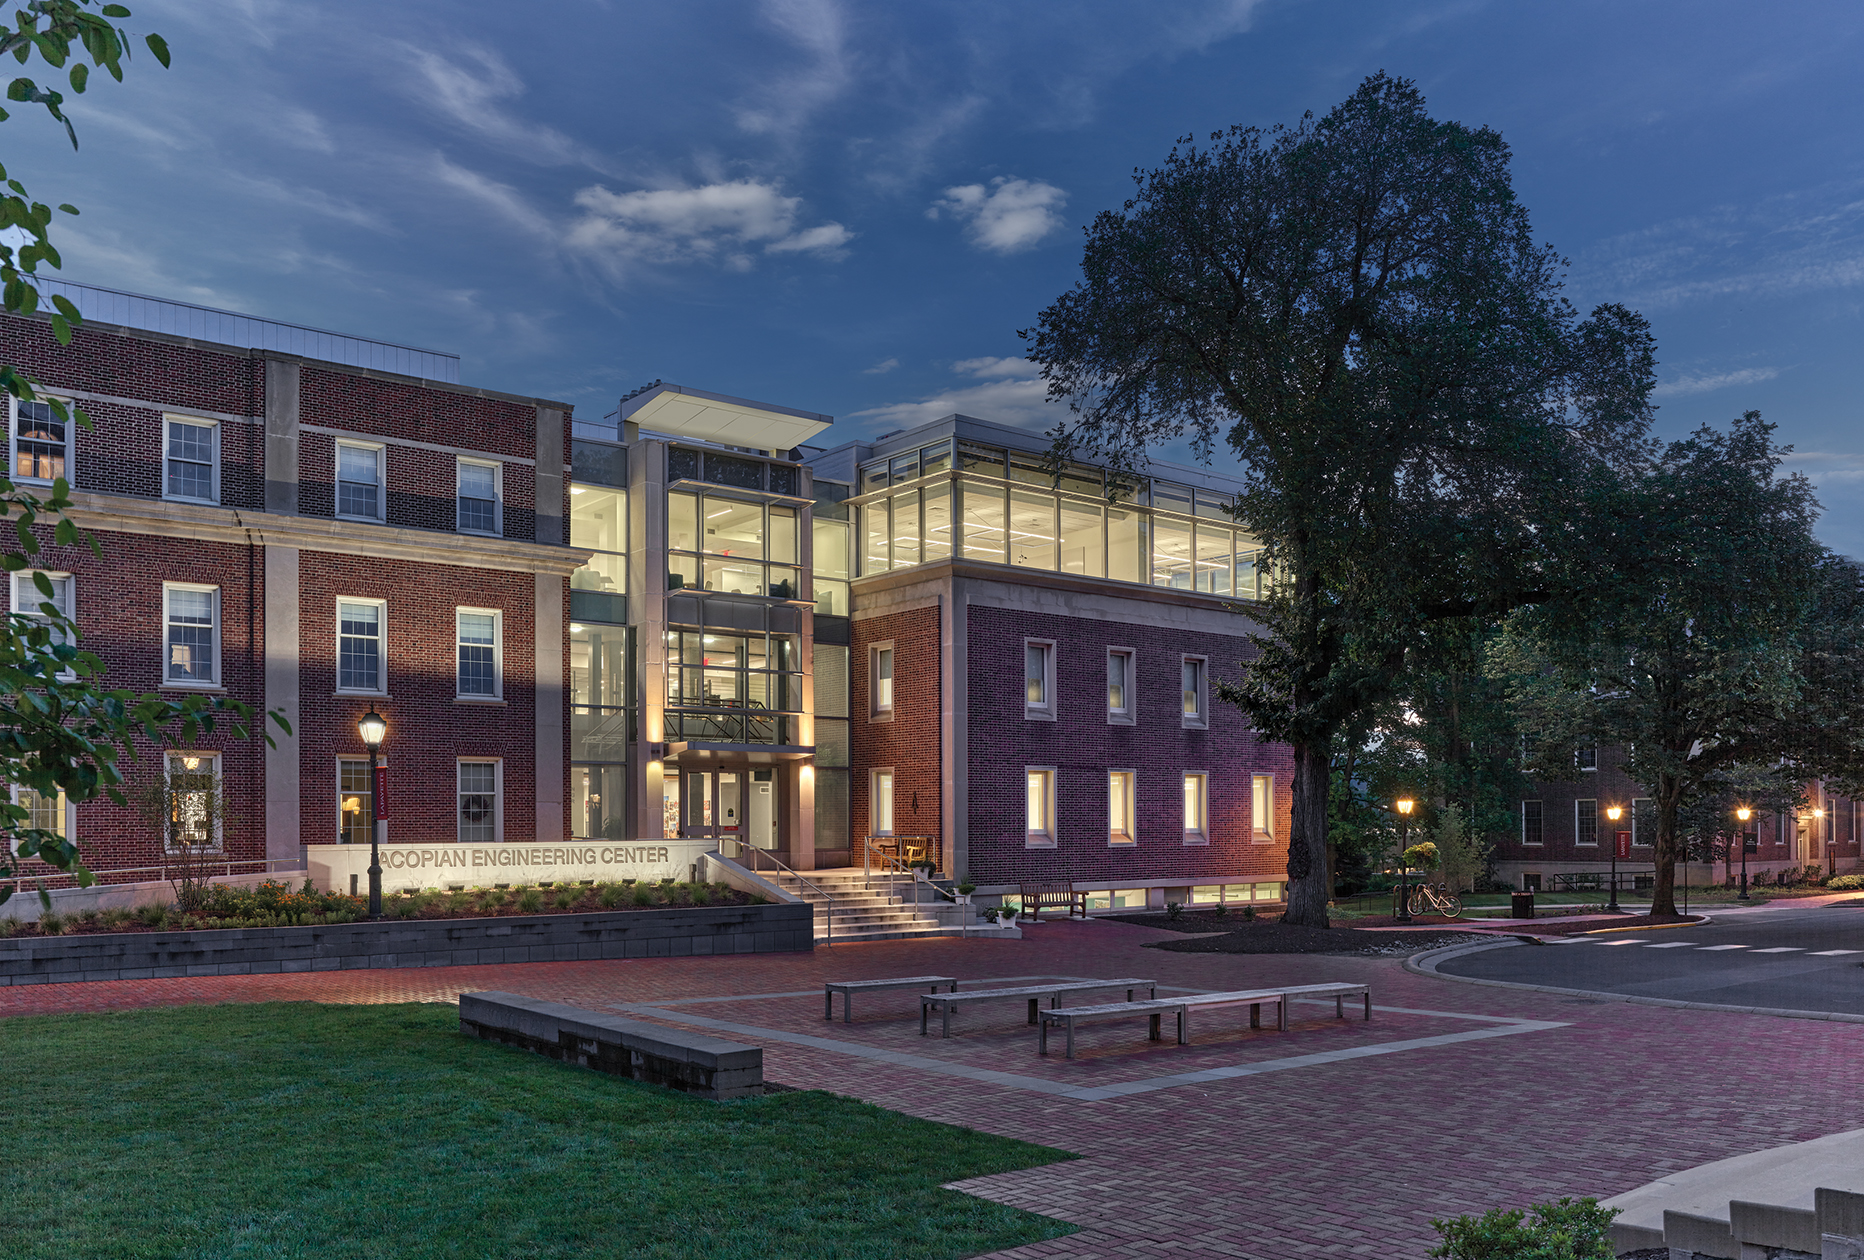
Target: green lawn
x=287, y=1130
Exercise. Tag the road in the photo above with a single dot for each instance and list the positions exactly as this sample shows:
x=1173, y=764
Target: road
x=1784, y=959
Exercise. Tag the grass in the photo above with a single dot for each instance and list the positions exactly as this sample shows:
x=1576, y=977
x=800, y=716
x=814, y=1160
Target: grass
x=290, y=1129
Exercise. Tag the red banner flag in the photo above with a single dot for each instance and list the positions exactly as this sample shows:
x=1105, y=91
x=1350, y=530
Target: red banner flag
x=381, y=791
x=1624, y=845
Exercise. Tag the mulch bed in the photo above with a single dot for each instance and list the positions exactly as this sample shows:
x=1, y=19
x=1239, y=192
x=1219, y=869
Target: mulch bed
x=1229, y=934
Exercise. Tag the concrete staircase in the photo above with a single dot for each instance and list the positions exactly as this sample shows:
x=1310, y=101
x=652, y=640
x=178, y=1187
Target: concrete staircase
x=860, y=913
x=1799, y=1202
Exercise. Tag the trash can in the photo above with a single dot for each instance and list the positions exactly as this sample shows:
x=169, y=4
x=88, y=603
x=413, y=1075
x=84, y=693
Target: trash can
x=1524, y=905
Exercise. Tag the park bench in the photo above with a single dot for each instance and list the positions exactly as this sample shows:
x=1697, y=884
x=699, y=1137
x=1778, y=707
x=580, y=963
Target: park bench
x=1339, y=991
x=948, y=1002
x=848, y=988
x=1036, y=896
x=1068, y=1017
x=1254, y=999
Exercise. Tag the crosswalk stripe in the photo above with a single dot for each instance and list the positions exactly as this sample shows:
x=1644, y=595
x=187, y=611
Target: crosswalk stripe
x=1833, y=953
x=1781, y=949
x=1618, y=942
x=1675, y=945
x=1711, y=948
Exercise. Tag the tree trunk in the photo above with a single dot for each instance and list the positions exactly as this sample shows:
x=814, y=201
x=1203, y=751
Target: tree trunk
x=1307, y=836
x=1663, y=892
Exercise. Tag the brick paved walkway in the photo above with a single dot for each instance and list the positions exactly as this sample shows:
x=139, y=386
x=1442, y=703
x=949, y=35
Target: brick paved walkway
x=1348, y=1157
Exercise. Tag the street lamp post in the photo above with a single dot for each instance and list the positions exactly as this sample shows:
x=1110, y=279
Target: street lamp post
x=1614, y=812
x=1404, y=805
x=1743, y=813
x=372, y=729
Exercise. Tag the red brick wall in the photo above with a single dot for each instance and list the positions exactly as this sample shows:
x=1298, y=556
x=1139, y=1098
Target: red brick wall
x=428, y=728
x=1083, y=746
x=397, y=409
x=168, y=374
x=910, y=742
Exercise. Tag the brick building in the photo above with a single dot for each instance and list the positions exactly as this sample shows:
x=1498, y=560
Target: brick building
x=1565, y=835
x=316, y=535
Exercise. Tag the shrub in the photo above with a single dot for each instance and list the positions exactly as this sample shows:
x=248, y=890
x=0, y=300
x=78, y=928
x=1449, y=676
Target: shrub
x=611, y=895
x=1846, y=883
x=567, y=896
x=51, y=924
x=531, y=900
x=643, y=895
x=11, y=925
x=116, y=918
x=494, y=898
x=1566, y=1230
x=152, y=916
x=700, y=895
x=1173, y=909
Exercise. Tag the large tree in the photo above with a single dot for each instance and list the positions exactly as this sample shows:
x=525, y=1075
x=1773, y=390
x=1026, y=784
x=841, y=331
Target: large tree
x=61, y=729
x=1710, y=639
x=1358, y=307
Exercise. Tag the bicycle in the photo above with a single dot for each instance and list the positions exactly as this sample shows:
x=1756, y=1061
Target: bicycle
x=1428, y=900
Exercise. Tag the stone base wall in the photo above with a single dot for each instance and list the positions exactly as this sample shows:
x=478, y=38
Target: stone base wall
x=685, y=933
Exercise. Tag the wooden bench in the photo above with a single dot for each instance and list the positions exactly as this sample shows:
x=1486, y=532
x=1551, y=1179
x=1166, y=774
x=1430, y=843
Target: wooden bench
x=948, y=1002
x=848, y=988
x=1339, y=992
x=1035, y=896
x=1254, y=999
x=1070, y=1016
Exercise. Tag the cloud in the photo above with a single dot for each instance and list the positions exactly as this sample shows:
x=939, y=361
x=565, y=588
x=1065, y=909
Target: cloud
x=881, y=368
x=1008, y=216
x=1683, y=386
x=818, y=28
x=720, y=223
x=1010, y=392
x=471, y=91
x=502, y=199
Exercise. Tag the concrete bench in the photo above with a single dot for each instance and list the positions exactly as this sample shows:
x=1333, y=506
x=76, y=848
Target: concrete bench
x=1068, y=1017
x=948, y=1002
x=1338, y=991
x=848, y=988
x=689, y=1061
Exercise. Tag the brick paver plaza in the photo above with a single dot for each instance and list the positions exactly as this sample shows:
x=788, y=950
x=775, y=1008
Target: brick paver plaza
x=1338, y=1138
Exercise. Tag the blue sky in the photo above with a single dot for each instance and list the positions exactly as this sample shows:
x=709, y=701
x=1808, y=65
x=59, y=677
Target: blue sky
x=852, y=208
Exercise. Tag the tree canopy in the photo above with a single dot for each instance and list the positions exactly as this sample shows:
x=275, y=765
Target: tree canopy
x=1356, y=305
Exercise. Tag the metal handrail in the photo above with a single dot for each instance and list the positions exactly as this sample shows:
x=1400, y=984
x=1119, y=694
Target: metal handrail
x=892, y=867
x=785, y=867
x=291, y=864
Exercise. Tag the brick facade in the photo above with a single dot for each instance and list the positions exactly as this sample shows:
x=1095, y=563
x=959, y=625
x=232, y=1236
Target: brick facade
x=908, y=740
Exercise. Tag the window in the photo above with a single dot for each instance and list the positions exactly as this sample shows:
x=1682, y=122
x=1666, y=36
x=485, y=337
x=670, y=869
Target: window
x=28, y=601
x=880, y=679
x=1193, y=688
x=479, y=805
x=1644, y=822
x=1586, y=758
x=1039, y=680
x=44, y=813
x=359, y=481
x=1262, y=808
x=1586, y=822
x=478, y=511
x=480, y=676
x=1039, y=789
x=190, y=459
x=192, y=642
x=1121, y=708
x=1196, y=807
x=882, y=802
x=40, y=442
x=1532, y=831
x=359, y=645
x=195, y=792
x=355, y=801
x=1122, y=824
x=598, y=521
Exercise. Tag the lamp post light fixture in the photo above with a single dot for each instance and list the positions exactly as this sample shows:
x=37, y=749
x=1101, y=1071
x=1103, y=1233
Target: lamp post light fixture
x=1743, y=813
x=373, y=729
x=1404, y=806
x=1614, y=812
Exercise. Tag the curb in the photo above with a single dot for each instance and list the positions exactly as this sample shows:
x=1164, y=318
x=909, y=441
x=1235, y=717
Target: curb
x=1425, y=963
x=1653, y=927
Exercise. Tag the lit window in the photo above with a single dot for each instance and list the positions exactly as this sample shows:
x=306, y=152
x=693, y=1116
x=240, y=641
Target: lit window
x=1039, y=789
x=478, y=498
x=883, y=802
x=43, y=813
x=359, y=481
x=1533, y=829
x=197, y=807
x=1262, y=808
x=1193, y=689
x=1120, y=697
x=359, y=645
x=1038, y=679
x=1122, y=825
x=882, y=681
x=192, y=645
x=479, y=814
x=1196, y=807
x=355, y=801
x=479, y=674
x=39, y=442
x=190, y=459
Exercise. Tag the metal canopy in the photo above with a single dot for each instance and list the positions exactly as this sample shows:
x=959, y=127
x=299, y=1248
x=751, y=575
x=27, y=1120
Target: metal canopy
x=705, y=417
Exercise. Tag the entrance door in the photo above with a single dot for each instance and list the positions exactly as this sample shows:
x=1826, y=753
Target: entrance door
x=714, y=806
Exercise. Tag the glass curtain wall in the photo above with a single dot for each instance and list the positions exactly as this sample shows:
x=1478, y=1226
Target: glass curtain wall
x=726, y=687
x=1005, y=507
x=831, y=548
x=731, y=546
x=602, y=712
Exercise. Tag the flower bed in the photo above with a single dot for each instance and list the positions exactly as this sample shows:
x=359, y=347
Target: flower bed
x=273, y=904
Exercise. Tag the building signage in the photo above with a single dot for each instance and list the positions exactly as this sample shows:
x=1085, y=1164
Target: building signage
x=441, y=865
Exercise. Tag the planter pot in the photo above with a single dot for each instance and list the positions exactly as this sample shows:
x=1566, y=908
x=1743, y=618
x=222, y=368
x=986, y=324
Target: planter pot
x=963, y=899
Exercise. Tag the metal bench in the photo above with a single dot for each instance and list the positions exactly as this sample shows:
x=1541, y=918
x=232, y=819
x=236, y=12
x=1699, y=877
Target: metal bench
x=1339, y=992
x=1035, y=896
x=848, y=988
x=1070, y=1016
x=948, y=1002
x=1254, y=999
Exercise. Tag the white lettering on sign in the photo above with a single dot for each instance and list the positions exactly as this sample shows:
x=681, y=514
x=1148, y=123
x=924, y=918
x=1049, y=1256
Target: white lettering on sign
x=508, y=855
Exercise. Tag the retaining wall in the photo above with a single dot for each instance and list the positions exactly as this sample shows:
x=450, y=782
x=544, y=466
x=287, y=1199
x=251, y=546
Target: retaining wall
x=684, y=933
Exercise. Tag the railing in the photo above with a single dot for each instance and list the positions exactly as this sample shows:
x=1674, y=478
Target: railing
x=891, y=869
x=203, y=868
x=756, y=853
